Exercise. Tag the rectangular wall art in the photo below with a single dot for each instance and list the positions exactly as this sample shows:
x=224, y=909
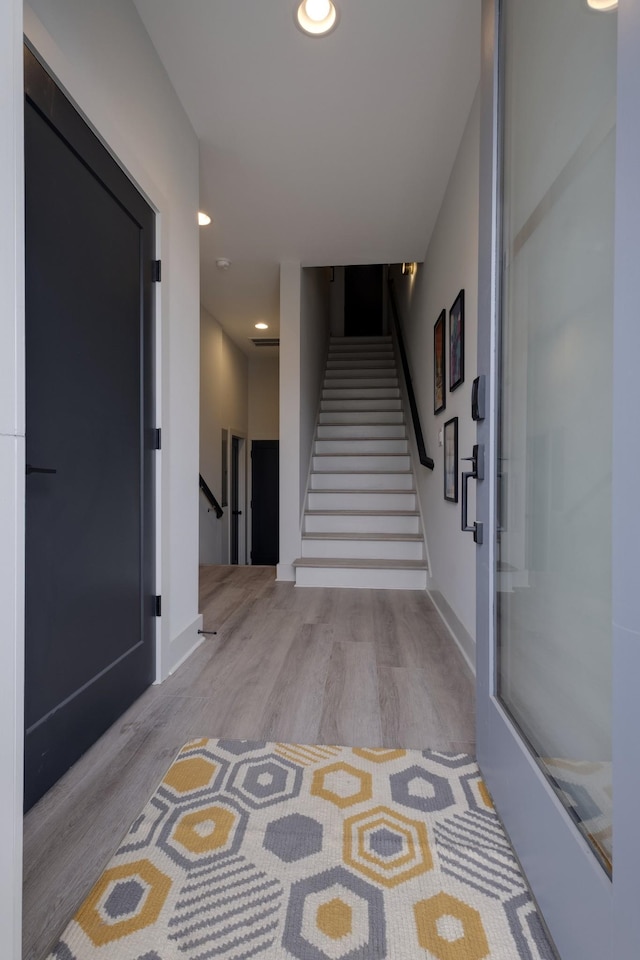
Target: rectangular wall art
x=439, y=354
x=456, y=342
x=451, y=460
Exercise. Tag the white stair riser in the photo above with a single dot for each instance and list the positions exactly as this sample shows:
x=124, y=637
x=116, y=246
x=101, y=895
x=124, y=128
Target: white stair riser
x=360, y=373
x=362, y=393
x=358, y=361
x=360, y=416
x=353, y=383
x=341, y=462
x=361, y=446
x=363, y=579
x=367, y=523
x=361, y=500
x=363, y=549
x=347, y=431
x=360, y=343
x=368, y=406
x=361, y=481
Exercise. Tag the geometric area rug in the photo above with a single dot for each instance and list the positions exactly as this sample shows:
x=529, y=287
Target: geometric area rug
x=270, y=850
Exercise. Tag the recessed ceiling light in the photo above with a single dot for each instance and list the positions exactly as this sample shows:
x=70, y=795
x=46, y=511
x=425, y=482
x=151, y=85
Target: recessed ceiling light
x=203, y=219
x=316, y=17
x=262, y=326
x=603, y=5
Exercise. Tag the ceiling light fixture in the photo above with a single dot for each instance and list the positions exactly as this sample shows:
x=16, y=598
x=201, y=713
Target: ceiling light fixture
x=408, y=269
x=603, y=5
x=222, y=263
x=262, y=326
x=316, y=18
x=203, y=219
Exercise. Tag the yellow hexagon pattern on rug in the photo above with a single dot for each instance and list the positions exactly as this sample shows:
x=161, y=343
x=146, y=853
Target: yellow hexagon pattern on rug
x=379, y=754
x=342, y=785
x=335, y=919
x=192, y=774
x=450, y=929
x=203, y=831
x=124, y=900
x=386, y=846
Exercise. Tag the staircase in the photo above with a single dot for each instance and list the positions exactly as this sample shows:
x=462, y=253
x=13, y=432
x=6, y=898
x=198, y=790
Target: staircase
x=361, y=525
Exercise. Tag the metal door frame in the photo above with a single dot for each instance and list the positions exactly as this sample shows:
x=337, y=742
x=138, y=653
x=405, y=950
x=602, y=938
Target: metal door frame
x=589, y=916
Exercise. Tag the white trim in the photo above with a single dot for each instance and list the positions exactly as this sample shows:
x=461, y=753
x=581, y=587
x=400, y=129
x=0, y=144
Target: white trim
x=12, y=459
x=462, y=638
x=285, y=573
x=184, y=645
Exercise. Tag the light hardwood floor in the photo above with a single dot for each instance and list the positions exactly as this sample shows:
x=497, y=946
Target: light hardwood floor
x=305, y=665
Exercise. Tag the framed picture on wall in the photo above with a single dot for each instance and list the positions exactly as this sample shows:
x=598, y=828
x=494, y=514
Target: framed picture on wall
x=439, y=354
x=451, y=460
x=456, y=342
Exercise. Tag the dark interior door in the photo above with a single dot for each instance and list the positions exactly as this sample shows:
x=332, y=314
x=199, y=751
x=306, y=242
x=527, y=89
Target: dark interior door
x=89, y=501
x=265, y=509
x=363, y=301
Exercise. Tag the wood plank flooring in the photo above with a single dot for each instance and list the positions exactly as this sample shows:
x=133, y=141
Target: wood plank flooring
x=305, y=665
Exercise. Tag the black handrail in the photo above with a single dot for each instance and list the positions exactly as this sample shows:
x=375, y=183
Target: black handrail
x=210, y=497
x=415, y=416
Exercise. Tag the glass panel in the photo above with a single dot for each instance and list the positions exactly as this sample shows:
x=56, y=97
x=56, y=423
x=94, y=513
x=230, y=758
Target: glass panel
x=554, y=538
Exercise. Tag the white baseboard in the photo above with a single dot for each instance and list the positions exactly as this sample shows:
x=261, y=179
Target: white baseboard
x=184, y=644
x=464, y=641
x=285, y=571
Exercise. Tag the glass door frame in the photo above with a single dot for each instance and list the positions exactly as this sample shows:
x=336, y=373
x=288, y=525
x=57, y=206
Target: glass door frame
x=589, y=915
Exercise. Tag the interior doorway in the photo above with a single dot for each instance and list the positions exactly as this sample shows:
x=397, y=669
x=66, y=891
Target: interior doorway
x=238, y=537
x=265, y=516
x=90, y=498
x=364, y=301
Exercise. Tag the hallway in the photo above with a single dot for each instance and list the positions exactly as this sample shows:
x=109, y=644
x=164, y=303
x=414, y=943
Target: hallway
x=311, y=665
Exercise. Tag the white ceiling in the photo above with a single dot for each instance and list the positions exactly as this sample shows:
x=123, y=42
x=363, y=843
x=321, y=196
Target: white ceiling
x=327, y=151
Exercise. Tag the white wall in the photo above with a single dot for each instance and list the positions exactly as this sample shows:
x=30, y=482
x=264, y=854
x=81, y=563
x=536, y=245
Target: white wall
x=290, y=294
x=104, y=59
x=304, y=331
x=336, y=302
x=11, y=475
x=223, y=406
x=264, y=398
x=314, y=338
x=450, y=264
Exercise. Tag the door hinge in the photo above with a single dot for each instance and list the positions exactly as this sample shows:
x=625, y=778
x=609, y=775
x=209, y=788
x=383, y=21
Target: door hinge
x=157, y=606
x=156, y=439
x=156, y=271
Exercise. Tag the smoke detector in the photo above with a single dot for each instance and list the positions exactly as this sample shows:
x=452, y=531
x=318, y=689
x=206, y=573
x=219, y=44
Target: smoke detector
x=222, y=263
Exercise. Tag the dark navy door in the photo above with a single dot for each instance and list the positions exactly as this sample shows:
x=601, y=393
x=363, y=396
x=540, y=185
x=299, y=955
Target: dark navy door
x=89, y=506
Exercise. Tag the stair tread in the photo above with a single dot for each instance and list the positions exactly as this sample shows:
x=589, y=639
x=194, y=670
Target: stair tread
x=382, y=491
x=364, y=473
x=356, y=454
x=360, y=562
x=352, y=439
x=411, y=537
x=361, y=513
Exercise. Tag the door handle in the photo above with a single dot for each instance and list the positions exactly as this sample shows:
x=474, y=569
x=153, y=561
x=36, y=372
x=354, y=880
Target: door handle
x=236, y=513
x=476, y=473
x=29, y=469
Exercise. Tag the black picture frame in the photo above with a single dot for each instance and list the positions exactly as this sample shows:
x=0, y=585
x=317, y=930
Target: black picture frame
x=456, y=342
x=439, y=363
x=451, y=460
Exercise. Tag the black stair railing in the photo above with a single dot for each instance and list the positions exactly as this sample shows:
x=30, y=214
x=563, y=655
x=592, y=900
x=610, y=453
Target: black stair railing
x=415, y=416
x=210, y=497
